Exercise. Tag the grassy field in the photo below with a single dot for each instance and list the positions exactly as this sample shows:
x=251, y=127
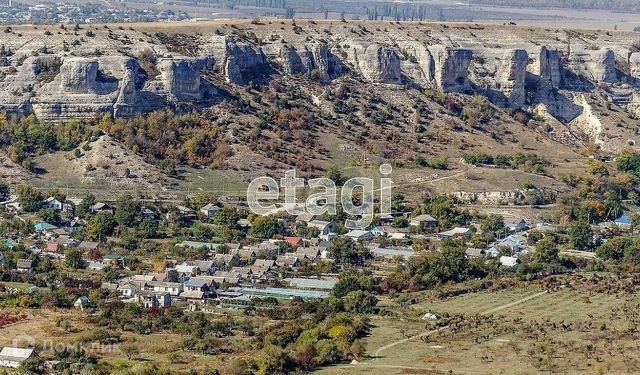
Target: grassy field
x=21, y=286
x=523, y=331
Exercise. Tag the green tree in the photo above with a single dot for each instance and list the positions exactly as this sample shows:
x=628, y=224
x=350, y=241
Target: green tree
x=84, y=208
x=226, y=216
x=101, y=225
x=534, y=236
x=148, y=228
x=581, y=235
x=129, y=349
x=348, y=252
x=492, y=223
x=350, y=281
x=334, y=174
x=30, y=198
x=360, y=302
x=628, y=161
x=128, y=212
x=265, y=227
x=441, y=162
x=130, y=241
x=73, y=259
x=49, y=215
x=546, y=251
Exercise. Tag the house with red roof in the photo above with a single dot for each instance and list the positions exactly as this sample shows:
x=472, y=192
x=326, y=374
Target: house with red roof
x=293, y=241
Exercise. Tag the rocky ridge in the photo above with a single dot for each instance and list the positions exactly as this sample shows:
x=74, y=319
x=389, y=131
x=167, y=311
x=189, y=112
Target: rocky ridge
x=520, y=69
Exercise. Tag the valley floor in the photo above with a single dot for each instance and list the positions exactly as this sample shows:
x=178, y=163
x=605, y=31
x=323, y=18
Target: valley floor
x=515, y=330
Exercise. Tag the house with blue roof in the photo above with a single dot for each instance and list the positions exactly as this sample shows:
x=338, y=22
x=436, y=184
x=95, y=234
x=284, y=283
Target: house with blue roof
x=9, y=244
x=44, y=226
x=624, y=221
x=516, y=243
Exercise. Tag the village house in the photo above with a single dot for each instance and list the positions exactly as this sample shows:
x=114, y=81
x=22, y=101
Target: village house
x=129, y=289
x=152, y=299
x=224, y=261
x=226, y=277
x=185, y=212
x=515, y=243
x=113, y=260
x=66, y=241
x=269, y=245
x=148, y=214
x=426, y=223
x=205, y=267
x=14, y=357
x=456, y=232
x=44, y=227
x=88, y=245
x=305, y=217
x=472, y=252
x=379, y=231
x=516, y=225
x=265, y=264
x=509, y=262
x=143, y=278
x=166, y=287
x=327, y=229
x=187, y=269
x=385, y=219
x=198, y=288
x=288, y=261
x=94, y=266
x=360, y=235
x=199, y=245
x=624, y=222
x=53, y=203
x=293, y=241
x=25, y=265
x=244, y=253
x=52, y=247
x=311, y=253
x=245, y=273
x=75, y=225
x=210, y=210
x=196, y=267
x=101, y=207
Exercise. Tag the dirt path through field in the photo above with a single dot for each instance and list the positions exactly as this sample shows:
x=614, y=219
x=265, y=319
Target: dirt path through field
x=377, y=352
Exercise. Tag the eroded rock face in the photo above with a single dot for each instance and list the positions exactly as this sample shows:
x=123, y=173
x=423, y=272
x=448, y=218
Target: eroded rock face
x=181, y=77
x=549, y=67
x=16, y=88
x=379, y=64
x=597, y=66
x=78, y=75
x=512, y=77
x=500, y=75
x=116, y=85
x=522, y=74
x=452, y=68
x=418, y=63
x=634, y=64
x=243, y=62
x=80, y=90
x=308, y=60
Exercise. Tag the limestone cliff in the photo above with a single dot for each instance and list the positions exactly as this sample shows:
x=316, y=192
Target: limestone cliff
x=521, y=71
x=452, y=68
